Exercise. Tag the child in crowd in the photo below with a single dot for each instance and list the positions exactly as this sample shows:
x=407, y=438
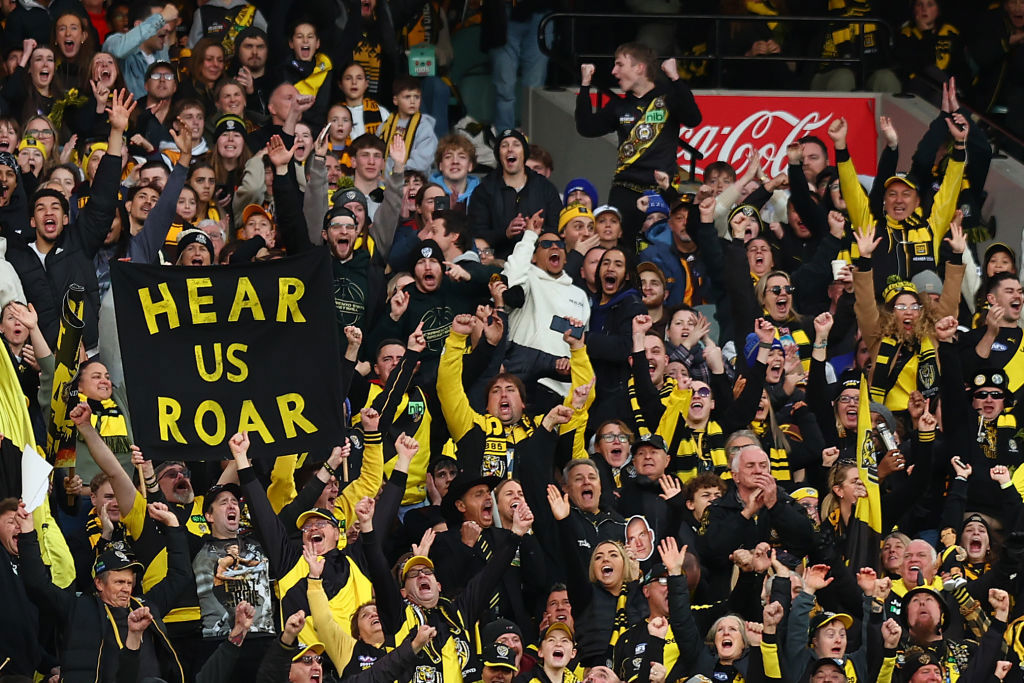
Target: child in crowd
x=417, y=128
x=340, y=135
x=308, y=69
x=367, y=114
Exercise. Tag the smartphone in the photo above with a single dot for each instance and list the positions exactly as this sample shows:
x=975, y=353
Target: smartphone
x=561, y=324
x=442, y=204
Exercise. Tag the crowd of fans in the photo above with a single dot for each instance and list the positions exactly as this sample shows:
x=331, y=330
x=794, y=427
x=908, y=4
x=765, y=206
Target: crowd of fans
x=591, y=441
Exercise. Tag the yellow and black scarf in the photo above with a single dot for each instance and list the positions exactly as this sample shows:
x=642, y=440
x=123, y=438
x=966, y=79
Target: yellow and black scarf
x=391, y=127
x=109, y=421
x=900, y=369
x=310, y=85
x=620, y=623
x=371, y=116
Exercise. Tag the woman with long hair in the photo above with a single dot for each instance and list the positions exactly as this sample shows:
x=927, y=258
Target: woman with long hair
x=73, y=45
x=229, y=154
x=901, y=334
x=31, y=89
x=205, y=69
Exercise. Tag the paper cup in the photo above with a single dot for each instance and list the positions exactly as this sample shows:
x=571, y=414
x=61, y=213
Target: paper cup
x=837, y=267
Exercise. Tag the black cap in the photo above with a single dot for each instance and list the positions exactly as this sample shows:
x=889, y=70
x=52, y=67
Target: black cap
x=654, y=440
x=161, y=63
x=916, y=658
x=348, y=195
x=512, y=133
x=113, y=560
x=218, y=489
x=499, y=655
x=826, y=661
x=657, y=571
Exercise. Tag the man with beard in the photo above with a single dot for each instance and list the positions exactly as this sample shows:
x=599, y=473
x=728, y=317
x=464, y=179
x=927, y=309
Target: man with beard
x=498, y=442
x=358, y=279
x=251, y=68
x=510, y=195
x=439, y=292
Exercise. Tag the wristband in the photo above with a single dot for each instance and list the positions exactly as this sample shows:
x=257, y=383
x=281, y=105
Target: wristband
x=330, y=470
x=764, y=345
x=822, y=345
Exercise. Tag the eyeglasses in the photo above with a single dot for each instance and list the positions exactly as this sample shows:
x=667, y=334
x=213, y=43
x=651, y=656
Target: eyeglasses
x=551, y=244
x=176, y=473
x=848, y=399
x=39, y=133
x=994, y=393
x=702, y=392
x=417, y=573
x=776, y=290
x=612, y=438
x=316, y=526
x=907, y=307
x=487, y=251
x=163, y=76
x=309, y=659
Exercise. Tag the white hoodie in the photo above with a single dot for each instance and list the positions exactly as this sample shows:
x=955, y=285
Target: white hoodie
x=10, y=283
x=546, y=297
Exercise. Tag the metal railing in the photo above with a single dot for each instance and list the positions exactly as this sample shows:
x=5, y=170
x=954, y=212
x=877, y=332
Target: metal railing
x=717, y=54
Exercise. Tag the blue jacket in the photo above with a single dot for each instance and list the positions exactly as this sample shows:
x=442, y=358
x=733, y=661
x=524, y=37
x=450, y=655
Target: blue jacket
x=471, y=182
x=130, y=59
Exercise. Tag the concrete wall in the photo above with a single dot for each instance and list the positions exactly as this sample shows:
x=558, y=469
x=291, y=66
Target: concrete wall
x=548, y=120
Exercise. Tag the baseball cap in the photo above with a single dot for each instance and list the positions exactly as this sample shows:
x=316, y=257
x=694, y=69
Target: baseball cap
x=657, y=571
x=607, y=208
x=317, y=512
x=113, y=560
x=316, y=648
x=499, y=655
x=654, y=440
x=824, y=618
x=251, y=210
x=558, y=626
x=927, y=282
x=216, y=490
x=413, y=561
x=900, y=178
x=160, y=64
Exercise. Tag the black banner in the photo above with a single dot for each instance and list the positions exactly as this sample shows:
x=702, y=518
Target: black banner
x=209, y=351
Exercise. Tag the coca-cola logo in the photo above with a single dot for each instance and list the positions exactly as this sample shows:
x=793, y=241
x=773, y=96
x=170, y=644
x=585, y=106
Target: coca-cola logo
x=733, y=125
x=767, y=132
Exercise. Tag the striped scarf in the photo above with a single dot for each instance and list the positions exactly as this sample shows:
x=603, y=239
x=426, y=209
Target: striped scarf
x=109, y=421
x=620, y=624
x=900, y=369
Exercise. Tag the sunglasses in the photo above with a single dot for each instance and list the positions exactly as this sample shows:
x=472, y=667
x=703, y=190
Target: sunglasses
x=551, y=244
x=702, y=392
x=612, y=438
x=994, y=393
x=309, y=659
x=907, y=307
x=175, y=473
x=777, y=289
x=162, y=76
x=39, y=133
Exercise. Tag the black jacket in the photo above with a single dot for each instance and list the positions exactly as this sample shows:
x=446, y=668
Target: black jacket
x=637, y=646
x=394, y=666
x=724, y=530
x=71, y=259
x=90, y=651
x=494, y=204
x=19, y=627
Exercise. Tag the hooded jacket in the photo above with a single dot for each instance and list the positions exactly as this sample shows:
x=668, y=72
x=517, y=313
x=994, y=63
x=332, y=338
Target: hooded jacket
x=546, y=296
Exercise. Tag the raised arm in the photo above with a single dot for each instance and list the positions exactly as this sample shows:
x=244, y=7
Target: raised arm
x=145, y=246
x=857, y=202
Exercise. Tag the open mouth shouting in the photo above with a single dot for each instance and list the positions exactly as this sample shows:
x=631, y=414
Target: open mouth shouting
x=555, y=260
x=782, y=306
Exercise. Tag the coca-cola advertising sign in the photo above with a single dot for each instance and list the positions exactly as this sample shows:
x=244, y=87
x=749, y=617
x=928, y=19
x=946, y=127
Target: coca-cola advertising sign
x=733, y=124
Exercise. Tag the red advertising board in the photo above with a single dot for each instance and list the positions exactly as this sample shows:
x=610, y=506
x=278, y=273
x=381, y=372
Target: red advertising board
x=732, y=124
